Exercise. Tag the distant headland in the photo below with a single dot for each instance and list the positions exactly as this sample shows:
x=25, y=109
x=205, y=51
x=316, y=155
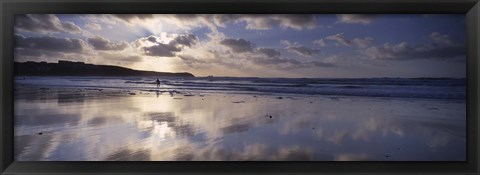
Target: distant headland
x=69, y=68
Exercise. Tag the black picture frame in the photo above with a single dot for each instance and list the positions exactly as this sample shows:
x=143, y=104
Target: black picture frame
x=9, y=8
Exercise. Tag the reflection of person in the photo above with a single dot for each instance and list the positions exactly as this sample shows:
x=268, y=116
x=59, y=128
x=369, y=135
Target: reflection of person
x=158, y=83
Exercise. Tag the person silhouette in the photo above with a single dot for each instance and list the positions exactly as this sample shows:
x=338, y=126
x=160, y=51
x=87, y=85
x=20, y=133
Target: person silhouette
x=158, y=83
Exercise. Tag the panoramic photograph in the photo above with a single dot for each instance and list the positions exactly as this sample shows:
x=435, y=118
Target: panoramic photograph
x=240, y=87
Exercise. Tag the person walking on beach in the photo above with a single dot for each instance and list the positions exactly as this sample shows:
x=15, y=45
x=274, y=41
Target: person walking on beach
x=158, y=83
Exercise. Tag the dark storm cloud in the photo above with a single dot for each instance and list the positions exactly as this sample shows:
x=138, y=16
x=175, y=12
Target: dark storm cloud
x=100, y=43
x=47, y=43
x=152, y=39
x=269, y=52
x=186, y=40
x=443, y=47
x=238, y=45
x=44, y=23
x=356, y=18
x=130, y=17
x=161, y=50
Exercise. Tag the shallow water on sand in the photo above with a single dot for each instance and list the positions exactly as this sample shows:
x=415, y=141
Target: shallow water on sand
x=79, y=124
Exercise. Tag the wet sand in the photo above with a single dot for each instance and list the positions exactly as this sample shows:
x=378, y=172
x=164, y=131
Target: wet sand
x=94, y=124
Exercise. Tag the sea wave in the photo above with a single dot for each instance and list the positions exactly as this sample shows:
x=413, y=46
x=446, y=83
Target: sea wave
x=431, y=88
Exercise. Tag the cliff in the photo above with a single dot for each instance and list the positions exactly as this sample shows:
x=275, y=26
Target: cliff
x=68, y=68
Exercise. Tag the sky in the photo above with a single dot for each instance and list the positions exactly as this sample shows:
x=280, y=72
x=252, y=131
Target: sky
x=252, y=45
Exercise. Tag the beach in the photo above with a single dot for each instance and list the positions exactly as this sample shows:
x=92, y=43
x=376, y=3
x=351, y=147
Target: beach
x=97, y=123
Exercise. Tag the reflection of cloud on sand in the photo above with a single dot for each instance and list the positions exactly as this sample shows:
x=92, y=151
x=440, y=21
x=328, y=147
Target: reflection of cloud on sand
x=203, y=128
x=338, y=136
x=256, y=151
x=165, y=125
x=97, y=121
x=235, y=128
x=25, y=149
x=129, y=155
x=47, y=119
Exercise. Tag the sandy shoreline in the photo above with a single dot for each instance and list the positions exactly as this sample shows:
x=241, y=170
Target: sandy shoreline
x=64, y=123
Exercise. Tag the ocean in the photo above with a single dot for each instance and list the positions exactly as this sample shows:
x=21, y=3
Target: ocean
x=425, y=88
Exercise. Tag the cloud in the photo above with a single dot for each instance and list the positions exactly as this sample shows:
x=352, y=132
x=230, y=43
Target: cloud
x=356, y=18
x=273, y=58
x=185, y=40
x=269, y=52
x=320, y=42
x=47, y=43
x=209, y=53
x=238, y=45
x=441, y=47
x=441, y=39
x=359, y=42
x=161, y=50
x=299, y=49
x=253, y=21
x=166, y=45
x=362, y=43
x=44, y=23
x=119, y=58
x=302, y=50
x=191, y=61
x=100, y=43
x=93, y=26
x=340, y=39
x=286, y=42
x=285, y=21
x=130, y=17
